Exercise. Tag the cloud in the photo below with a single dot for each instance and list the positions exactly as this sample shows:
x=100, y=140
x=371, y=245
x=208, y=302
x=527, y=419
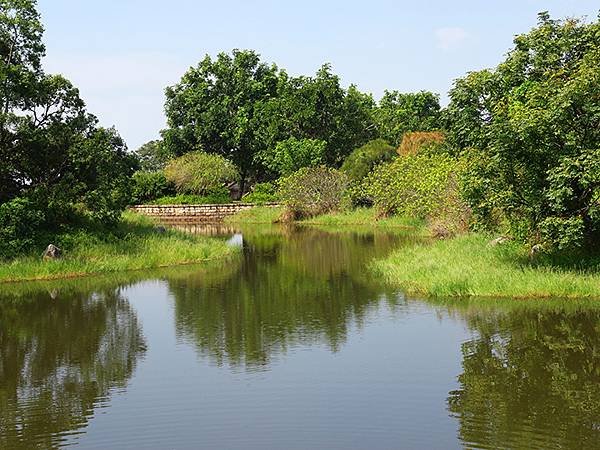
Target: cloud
x=449, y=38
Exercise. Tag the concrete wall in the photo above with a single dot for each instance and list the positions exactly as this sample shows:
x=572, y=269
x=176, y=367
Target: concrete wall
x=194, y=213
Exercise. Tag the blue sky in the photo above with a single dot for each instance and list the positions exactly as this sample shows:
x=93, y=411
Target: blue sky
x=123, y=53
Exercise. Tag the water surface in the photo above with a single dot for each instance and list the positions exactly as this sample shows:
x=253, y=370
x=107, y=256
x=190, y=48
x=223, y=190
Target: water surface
x=293, y=345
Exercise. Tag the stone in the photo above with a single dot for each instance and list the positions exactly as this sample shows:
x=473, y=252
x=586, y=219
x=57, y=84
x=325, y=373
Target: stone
x=536, y=249
x=160, y=230
x=499, y=241
x=51, y=252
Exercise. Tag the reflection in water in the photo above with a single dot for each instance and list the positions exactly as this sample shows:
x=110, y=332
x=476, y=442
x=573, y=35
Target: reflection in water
x=292, y=286
x=531, y=379
x=60, y=355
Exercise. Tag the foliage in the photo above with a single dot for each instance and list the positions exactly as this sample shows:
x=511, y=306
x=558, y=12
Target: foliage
x=20, y=224
x=148, y=186
x=51, y=150
x=153, y=156
x=261, y=193
x=399, y=113
x=312, y=191
x=200, y=173
x=415, y=141
x=536, y=124
x=218, y=196
x=292, y=154
x=317, y=108
x=364, y=159
x=213, y=107
x=423, y=186
x=257, y=215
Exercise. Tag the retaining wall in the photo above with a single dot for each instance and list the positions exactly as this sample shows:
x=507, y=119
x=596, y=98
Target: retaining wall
x=194, y=213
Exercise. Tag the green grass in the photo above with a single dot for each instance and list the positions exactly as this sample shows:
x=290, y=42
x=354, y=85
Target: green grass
x=256, y=215
x=186, y=199
x=468, y=266
x=363, y=216
x=134, y=245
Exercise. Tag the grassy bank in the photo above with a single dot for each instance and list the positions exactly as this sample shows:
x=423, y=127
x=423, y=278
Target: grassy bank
x=469, y=266
x=134, y=245
x=357, y=217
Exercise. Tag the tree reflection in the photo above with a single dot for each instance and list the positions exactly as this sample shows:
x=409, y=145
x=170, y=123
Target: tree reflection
x=310, y=289
x=530, y=369
x=59, y=357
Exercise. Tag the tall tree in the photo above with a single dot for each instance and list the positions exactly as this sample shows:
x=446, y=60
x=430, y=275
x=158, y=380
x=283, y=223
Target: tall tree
x=398, y=113
x=212, y=108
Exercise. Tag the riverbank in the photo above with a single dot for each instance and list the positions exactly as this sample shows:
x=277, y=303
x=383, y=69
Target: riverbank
x=359, y=217
x=136, y=244
x=468, y=266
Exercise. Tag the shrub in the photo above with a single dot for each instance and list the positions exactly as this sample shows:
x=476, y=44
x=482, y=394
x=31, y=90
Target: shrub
x=148, y=186
x=261, y=193
x=421, y=186
x=415, y=141
x=312, y=191
x=20, y=224
x=364, y=159
x=292, y=154
x=200, y=173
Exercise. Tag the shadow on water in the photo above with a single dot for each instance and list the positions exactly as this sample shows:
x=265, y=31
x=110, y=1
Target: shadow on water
x=60, y=355
x=531, y=374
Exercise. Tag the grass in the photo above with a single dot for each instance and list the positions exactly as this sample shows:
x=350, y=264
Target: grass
x=187, y=199
x=134, y=245
x=256, y=215
x=468, y=266
x=358, y=217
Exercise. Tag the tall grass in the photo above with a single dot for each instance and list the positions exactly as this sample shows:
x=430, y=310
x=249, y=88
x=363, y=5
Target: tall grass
x=469, y=266
x=256, y=215
x=134, y=245
x=363, y=216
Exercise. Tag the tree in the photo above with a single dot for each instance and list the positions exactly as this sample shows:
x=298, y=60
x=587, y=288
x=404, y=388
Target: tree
x=317, y=108
x=364, y=159
x=212, y=108
x=53, y=155
x=535, y=123
x=292, y=154
x=398, y=113
x=153, y=156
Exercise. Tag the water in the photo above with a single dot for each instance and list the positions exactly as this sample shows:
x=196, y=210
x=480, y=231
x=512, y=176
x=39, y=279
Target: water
x=293, y=346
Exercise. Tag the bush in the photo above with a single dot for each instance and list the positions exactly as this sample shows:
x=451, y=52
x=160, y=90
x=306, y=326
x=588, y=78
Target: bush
x=312, y=191
x=364, y=159
x=261, y=193
x=148, y=186
x=200, y=173
x=20, y=225
x=421, y=186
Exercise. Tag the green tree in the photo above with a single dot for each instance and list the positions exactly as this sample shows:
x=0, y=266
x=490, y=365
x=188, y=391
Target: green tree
x=153, y=156
x=398, y=113
x=292, y=154
x=535, y=121
x=364, y=159
x=212, y=108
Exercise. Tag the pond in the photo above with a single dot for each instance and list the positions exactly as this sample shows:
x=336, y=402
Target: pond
x=294, y=345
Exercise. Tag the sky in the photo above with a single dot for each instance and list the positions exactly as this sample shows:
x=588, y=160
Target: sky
x=122, y=54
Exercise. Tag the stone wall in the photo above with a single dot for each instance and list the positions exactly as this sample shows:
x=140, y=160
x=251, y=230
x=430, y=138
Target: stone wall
x=194, y=213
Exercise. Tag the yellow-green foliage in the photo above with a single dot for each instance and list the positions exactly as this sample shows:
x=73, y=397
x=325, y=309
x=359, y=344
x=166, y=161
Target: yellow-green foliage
x=416, y=185
x=200, y=173
x=469, y=266
x=135, y=245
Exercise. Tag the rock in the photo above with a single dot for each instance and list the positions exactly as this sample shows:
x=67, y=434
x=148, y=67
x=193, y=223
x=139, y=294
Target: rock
x=160, y=230
x=537, y=248
x=499, y=241
x=52, y=252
